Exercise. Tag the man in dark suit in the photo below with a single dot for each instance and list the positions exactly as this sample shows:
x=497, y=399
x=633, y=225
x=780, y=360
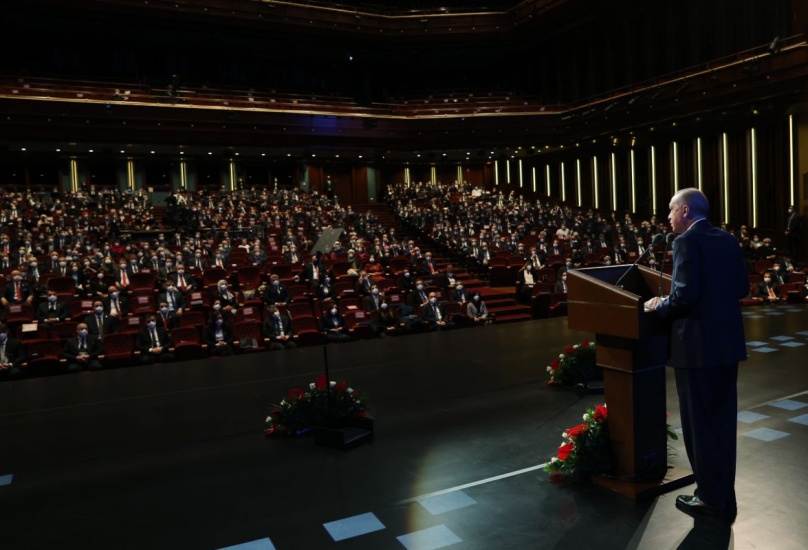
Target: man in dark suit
x=706, y=344
x=460, y=295
x=115, y=304
x=100, y=324
x=172, y=297
x=314, y=271
x=374, y=300
x=167, y=318
x=435, y=314
x=17, y=291
x=181, y=280
x=153, y=342
x=276, y=292
x=278, y=328
x=11, y=354
x=82, y=350
x=52, y=310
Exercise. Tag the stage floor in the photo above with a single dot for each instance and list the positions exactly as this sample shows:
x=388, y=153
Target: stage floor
x=173, y=456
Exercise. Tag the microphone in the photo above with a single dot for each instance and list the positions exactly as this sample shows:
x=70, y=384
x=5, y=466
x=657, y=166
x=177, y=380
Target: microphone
x=658, y=238
x=669, y=238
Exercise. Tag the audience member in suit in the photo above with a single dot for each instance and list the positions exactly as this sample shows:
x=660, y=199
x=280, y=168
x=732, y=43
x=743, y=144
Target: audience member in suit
x=219, y=336
x=363, y=284
x=276, y=292
x=172, y=297
x=82, y=350
x=325, y=292
x=153, y=342
x=11, y=354
x=706, y=343
x=334, y=326
x=372, y=301
x=77, y=274
x=768, y=290
x=428, y=267
x=99, y=286
x=406, y=282
x=778, y=276
x=561, y=284
x=116, y=305
x=100, y=324
x=278, y=328
x=476, y=309
x=257, y=256
x=525, y=279
x=419, y=297
x=17, y=291
x=227, y=300
x=167, y=318
x=51, y=311
x=199, y=261
x=434, y=313
x=314, y=271
x=183, y=282
x=460, y=295
x=387, y=322
x=123, y=277
x=292, y=257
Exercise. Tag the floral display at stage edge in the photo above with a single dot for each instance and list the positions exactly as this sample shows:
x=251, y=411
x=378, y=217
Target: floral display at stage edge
x=575, y=366
x=320, y=404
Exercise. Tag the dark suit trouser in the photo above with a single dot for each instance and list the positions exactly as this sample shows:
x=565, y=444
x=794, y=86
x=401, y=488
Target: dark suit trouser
x=708, y=404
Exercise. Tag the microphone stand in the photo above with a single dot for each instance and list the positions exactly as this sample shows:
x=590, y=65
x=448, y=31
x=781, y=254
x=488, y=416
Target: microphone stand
x=668, y=241
x=656, y=241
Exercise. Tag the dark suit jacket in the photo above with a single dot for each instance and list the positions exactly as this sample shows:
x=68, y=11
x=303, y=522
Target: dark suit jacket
x=321, y=295
x=123, y=304
x=25, y=291
x=270, y=327
x=762, y=292
x=110, y=324
x=71, y=348
x=308, y=273
x=328, y=322
x=704, y=309
x=179, y=300
x=369, y=304
x=43, y=312
x=143, y=339
x=210, y=334
x=459, y=295
x=187, y=277
x=414, y=299
x=279, y=295
x=14, y=353
x=173, y=321
x=428, y=313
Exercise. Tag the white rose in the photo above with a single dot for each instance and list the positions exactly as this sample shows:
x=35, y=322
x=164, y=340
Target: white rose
x=586, y=418
x=283, y=402
x=554, y=460
x=349, y=391
x=564, y=435
x=561, y=356
x=549, y=369
x=576, y=346
x=358, y=402
x=269, y=419
x=332, y=383
x=311, y=386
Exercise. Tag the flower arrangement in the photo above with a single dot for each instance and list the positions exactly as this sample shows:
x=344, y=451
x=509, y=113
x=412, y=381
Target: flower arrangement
x=575, y=366
x=586, y=447
x=320, y=404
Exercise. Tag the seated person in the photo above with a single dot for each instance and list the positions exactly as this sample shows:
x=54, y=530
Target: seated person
x=525, y=279
x=446, y=280
x=226, y=298
x=363, y=284
x=434, y=313
x=219, y=336
x=11, y=354
x=115, y=305
x=372, y=301
x=372, y=267
x=99, y=286
x=99, y=323
x=460, y=295
x=173, y=297
x=334, y=326
x=292, y=256
x=166, y=317
x=387, y=324
x=51, y=311
x=476, y=309
x=82, y=350
x=278, y=328
x=428, y=266
x=276, y=292
x=406, y=282
x=181, y=280
x=153, y=343
x=561, y=284
x=17, y=291
x=419, y=297
x=768, y=290
x=325, y=292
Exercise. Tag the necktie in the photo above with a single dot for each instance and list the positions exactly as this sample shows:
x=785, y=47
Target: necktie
x=437, y=312
x=2, y=353
x=182, y=282
x=124, y=278
x=153, y=339
x=82, y=344
x=100, y=321
x=280, y=327
x=17, y=292
x=53, y=307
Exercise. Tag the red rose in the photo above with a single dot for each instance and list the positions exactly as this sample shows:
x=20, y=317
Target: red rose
x=585, y=344
x=296, y=393
x=270, y=431
x=274, y=412
x=554, y=365
x=600, y=413
x=341, y=386
x=321, y=382
x=565, y=450
x=569, y=350
x=550, y=383
x=576, y=431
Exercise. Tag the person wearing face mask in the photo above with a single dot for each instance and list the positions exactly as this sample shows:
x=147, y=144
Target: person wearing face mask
x=373, y=300
x=406, y=282
x=373, y=267
x=167, y=318
x=314, y=271
x=99, y=323
x=561, y=284
x=219, y=336
x=122, y=276
x=276, y=292
x=526, y=279
x=181, y=280
x=434, y=315
x=278, y=328
x=99, y=285
x=11, y=354
x=166, y=270
x=116, y=304
x=768, y=289
x=153, y=342
x=17, y=291
x=387, y=324
x=292, y=257
x=363, y=284
x=51, y=310
x=173, y=297
x=82, y=350
x=477, y=311
x=334, y=326
x=460, y=295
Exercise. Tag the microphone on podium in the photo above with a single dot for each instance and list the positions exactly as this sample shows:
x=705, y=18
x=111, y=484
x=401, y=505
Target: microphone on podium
x=658, y=238
x=669, y=238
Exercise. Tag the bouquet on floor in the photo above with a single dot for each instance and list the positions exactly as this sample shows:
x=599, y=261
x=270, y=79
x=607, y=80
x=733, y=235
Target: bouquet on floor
x=586, y=448
x=320, y=404
x=575, y=366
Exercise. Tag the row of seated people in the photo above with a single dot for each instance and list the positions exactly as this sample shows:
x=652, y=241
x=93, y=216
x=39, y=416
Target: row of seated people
x=769, y=291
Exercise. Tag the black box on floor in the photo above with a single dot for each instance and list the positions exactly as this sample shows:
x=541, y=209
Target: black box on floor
x=345, y=433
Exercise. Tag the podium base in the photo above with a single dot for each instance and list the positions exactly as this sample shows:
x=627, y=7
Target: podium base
x=675, y=478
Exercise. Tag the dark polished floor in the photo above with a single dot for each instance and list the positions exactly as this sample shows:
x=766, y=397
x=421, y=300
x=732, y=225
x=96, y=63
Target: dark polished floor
x=173, y=456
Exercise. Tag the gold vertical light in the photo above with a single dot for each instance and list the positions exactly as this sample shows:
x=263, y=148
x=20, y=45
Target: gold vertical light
x=633, y=182
x=753, y=160
x=547, y=179
x=613, y=175
x=595, y=180
x=578, y=180
x=675, y=167
x=407, y=176
x=433, y=175
x=534, y=178
x=699, y=178
x=74, y=174
x=653, y=180
x=130, y=173
x=725, y=152
x=508, y=172
x=183, y=174
x=791, y=160
x=563, y=184
x=232, y=174
x=521, y=181
x=459, y=174
x=496, y=172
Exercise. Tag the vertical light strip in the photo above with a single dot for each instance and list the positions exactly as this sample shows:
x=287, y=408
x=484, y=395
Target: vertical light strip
x=675, y=167
x=614, y=183
x=791, y=161
x=725, y=150
x=74, y=174
x=563, y=184
x=653, y=180
x=130, y=174
x=407, y=176
x=534, y=178
x=232, y=175
x=753, y=159
x=521, y=182
x=508, y=172
x=547, y=179
x=459, y=174
x=433, y=175
x=595, y=180
x=183, y=175
x=578, y=180
x=633, y=182
x=699, y=177
x=496, y=172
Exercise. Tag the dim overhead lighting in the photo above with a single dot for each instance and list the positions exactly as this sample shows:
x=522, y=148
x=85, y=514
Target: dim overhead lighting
x=58, y=150
x=152, y=152
x=23, y=149
x=210, y=152
x=91, y=150
x=263, y=154
x=122, y=151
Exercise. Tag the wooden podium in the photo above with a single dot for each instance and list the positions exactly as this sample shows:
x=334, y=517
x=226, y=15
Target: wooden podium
x=632, y=348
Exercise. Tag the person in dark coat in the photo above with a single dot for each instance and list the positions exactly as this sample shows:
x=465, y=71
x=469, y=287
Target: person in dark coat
x=219, y=336
x=278, y=328
x=52, y=310
x=11, y=354
x=153, y=343
x=82, y=350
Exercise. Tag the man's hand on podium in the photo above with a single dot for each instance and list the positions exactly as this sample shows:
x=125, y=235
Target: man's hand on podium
x=652, y=304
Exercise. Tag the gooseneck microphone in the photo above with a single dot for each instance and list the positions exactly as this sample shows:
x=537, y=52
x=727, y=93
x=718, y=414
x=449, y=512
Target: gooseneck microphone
x=657, y=240
x=669, y=238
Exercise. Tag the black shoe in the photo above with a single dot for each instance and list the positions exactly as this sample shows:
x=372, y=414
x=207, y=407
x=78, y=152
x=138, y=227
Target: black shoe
x=693, y=506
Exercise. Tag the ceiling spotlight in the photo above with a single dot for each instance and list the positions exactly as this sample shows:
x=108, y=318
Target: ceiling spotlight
x=775, y=46
x=633, y=100
x=91, y=150
x=610, y=106
x=210, y=152
x=23, y=149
